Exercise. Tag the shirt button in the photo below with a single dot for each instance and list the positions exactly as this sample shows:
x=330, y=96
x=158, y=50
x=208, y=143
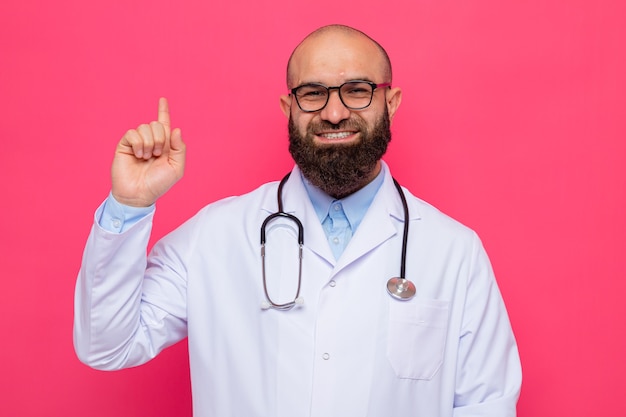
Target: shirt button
x=337, y=207
x=117, y=223
x=335, y=240
x=332, y=283
x=326, y=356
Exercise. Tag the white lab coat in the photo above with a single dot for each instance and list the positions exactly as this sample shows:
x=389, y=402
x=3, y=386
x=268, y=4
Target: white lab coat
x=351, y=350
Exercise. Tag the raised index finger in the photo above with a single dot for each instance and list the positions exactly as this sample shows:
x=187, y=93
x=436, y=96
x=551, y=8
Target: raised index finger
x=164, y=113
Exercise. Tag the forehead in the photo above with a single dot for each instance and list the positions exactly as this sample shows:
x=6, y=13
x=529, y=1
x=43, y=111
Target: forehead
x=333, y=58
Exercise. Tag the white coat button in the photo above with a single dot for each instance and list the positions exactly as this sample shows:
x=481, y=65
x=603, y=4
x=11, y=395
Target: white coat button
x=326, y=356
x=332, y=283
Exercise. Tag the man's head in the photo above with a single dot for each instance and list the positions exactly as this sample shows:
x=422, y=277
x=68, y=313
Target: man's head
x=339, y=148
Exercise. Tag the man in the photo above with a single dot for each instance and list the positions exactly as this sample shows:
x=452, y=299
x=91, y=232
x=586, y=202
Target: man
x=279, y=332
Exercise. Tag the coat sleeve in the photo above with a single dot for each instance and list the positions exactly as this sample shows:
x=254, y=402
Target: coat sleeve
x=488, y=377
x=120, y=316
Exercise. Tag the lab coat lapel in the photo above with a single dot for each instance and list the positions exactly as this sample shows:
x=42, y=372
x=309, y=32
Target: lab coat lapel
x=375, y=228
x=383, y=220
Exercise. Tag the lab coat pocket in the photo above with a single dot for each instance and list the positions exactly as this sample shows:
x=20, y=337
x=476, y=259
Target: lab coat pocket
x=417, y=337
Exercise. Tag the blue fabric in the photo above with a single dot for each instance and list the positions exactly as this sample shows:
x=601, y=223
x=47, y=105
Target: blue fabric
x=117, y=218
x=341, y=218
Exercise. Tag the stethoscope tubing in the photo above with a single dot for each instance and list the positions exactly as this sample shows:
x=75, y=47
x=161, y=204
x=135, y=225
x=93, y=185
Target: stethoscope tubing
x=405, y=234
x=398, y=287
x=281, y=213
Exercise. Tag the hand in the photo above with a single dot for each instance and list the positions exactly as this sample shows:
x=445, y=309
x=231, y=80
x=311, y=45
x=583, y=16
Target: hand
x=148, y=161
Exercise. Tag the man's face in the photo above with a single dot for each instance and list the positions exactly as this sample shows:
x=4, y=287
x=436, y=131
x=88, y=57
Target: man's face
x=336, y=148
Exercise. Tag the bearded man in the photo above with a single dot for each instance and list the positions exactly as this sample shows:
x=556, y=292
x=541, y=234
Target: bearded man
x=307, y=323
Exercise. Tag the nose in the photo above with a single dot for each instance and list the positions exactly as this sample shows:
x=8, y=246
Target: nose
x=335, y=111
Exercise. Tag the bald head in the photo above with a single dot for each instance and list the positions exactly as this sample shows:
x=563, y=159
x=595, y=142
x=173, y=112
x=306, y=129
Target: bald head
x=330, y=43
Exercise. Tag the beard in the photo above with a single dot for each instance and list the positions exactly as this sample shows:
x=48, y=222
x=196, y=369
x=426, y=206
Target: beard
x=340, y=169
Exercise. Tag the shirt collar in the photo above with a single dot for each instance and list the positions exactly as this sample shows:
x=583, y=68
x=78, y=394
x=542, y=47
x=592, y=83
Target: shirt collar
x=354, y=206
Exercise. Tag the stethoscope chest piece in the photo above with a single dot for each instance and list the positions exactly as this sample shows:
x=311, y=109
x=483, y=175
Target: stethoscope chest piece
x=401, y=289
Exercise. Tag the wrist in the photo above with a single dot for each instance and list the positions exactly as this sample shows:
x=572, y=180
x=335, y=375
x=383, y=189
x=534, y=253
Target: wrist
x=132, y=202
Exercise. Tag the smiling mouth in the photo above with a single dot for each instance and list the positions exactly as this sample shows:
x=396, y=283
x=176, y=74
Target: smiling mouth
x=336, y=135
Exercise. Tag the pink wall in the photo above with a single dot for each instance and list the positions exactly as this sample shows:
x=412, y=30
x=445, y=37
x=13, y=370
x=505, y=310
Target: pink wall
x=513, y=121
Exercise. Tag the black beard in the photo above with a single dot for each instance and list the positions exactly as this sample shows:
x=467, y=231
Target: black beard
x=340, y=169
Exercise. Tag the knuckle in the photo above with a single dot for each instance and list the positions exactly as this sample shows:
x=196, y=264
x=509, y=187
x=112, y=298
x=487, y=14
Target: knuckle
x=158, y=130
x=130, y=136
x=145, y=133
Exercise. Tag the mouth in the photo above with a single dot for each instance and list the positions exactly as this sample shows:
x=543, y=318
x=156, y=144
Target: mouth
x=336, y=136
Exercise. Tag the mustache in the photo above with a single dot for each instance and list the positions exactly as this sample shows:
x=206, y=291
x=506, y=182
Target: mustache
x=348, y=124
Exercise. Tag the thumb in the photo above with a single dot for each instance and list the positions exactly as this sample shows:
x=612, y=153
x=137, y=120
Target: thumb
x=177, y=148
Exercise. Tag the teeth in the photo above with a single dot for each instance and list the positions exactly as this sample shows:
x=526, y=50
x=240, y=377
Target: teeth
x=339, y=135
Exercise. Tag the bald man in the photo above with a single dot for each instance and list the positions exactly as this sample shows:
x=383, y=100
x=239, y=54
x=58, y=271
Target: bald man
x=307, y=323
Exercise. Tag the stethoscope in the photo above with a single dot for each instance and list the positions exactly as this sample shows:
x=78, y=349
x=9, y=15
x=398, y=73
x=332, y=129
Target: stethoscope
x=399, y=288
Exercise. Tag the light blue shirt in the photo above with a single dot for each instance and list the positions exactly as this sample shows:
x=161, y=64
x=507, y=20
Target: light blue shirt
x=116, y=217
x=339, y=218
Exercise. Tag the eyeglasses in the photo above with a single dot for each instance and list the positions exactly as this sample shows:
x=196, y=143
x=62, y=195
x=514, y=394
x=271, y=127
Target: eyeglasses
x=355, y=95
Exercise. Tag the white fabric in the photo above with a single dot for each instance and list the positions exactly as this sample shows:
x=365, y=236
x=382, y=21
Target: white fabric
x=351, y=350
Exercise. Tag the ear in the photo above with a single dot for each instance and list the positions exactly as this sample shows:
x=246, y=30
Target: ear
x=285, y=104
x=393, y=98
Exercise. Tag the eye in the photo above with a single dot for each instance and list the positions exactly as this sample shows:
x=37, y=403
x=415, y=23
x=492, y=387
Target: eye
x=311, y=92
x=356, y=89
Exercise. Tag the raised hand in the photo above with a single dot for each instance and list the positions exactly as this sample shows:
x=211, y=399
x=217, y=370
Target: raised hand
x=148, y=161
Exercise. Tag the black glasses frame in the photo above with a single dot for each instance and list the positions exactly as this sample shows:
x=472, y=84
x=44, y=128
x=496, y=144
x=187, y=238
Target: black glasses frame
x=374, y=86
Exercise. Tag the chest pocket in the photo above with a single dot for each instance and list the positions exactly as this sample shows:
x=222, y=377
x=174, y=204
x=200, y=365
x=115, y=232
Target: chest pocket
x=417, y=337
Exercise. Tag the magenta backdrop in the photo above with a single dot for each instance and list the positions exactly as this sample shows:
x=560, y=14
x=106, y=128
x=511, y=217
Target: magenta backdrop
x=513, y=121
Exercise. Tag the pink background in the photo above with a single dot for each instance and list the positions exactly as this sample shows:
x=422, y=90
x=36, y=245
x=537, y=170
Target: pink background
x=513, y=121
